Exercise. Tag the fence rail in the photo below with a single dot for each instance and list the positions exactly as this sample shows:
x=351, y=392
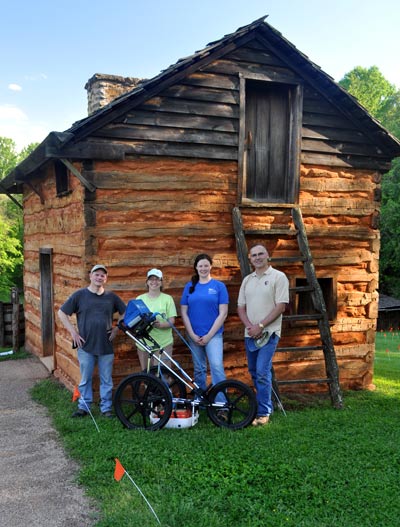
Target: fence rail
x=12, y=322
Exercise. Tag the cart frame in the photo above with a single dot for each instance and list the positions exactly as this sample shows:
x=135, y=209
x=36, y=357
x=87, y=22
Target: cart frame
x=147, y=400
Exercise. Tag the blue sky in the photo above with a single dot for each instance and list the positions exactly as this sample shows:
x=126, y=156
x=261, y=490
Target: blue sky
x=50, y=48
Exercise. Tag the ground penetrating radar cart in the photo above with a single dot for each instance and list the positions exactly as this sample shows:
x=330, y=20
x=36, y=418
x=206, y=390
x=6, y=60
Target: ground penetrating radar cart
x=165, y=395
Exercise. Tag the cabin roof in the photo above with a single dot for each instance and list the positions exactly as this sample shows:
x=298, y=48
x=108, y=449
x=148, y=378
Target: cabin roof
x=57, y=142
x=388, y=303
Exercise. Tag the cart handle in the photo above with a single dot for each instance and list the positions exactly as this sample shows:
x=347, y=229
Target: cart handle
x=162, y=315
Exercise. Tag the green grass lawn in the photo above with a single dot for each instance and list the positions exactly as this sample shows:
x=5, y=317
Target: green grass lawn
x=316, y=467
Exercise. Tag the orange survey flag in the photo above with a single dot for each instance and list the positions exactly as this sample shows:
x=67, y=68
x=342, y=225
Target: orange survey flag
x=76, y=394
x=119, y=470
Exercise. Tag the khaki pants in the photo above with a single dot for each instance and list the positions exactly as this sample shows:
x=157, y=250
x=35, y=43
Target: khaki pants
x=144, y=357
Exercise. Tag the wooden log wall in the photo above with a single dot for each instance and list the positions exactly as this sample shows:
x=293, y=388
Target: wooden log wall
x=154, y=212
x=162, y=212
x=340, y=209
x=57, y=223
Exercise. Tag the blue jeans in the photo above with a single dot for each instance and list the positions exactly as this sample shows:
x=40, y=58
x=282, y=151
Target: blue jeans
x=87, y=362
x=213, y=351
x=259, y=365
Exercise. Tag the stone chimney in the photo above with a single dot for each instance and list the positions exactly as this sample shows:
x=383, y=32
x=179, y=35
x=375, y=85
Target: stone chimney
x=103, y=88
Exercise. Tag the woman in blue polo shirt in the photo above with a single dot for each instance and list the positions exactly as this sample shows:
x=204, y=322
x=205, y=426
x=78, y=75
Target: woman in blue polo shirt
x=204, y=308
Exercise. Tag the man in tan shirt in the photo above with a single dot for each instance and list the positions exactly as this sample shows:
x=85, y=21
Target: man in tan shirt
x=262, y=300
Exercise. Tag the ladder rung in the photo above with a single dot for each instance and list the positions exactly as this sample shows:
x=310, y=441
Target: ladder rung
x=299, y=349
x=292, y=318
x=288, y=259
x=260, y=232
x=305, y=381
x=302, y=288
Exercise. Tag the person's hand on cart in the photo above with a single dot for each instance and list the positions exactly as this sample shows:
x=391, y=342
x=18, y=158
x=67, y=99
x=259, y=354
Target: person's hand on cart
x=160, y=324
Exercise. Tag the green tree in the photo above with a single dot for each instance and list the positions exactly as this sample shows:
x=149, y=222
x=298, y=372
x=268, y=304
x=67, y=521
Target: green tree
x=389, y=262
x=382, y=100
x=11, y=221
x=11, y=256
x=372, y=90
x=8, y=156
x=390, y=110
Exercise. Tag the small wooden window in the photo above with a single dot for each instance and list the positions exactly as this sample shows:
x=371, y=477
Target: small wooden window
x=62, y=179
x=304, y=304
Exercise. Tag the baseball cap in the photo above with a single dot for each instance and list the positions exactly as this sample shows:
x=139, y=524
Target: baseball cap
x=97, y=267
x=155, y=272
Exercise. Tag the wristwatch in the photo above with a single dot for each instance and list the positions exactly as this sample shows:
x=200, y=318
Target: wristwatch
x=261, y=325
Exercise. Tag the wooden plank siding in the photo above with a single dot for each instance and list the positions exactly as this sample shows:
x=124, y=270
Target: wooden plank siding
x=199, y=117
x=171, y=198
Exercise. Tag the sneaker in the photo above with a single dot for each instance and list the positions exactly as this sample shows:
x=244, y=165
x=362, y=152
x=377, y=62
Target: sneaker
x=261, y=420
x=108, y=414
x=79, y=413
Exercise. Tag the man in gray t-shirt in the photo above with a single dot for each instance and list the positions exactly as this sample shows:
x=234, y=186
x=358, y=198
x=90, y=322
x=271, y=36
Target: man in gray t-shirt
x=94, y=308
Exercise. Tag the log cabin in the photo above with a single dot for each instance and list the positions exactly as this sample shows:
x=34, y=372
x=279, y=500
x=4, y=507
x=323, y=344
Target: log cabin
x=153, y=175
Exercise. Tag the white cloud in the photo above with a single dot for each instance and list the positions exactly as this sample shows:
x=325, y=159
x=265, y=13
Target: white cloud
x=14, y=87
x=15, y=124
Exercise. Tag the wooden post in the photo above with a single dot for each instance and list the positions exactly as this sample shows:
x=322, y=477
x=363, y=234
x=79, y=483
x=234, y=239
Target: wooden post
x=2, y=326
x=15, y=319
x=241, y=245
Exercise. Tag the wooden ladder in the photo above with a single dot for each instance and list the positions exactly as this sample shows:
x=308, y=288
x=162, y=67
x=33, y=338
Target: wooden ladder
x=313, y=286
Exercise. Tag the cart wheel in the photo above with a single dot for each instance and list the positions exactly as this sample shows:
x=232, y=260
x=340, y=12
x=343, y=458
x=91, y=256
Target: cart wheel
x=143, y=401
x=239, y=408
x=177, y=387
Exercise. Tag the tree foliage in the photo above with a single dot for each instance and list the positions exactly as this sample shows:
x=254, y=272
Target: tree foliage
x=11, y=256
x=382, y=100
x=8, y=156
x=390, y=112
x=11, y=221
x=372, y=90
x=389, y=263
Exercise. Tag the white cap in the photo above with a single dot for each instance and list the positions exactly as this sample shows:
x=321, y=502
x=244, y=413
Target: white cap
x=97, y=267
x=155, y=272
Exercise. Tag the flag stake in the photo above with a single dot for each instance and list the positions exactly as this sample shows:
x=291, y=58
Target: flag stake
x=118, y=476
x=76, y=395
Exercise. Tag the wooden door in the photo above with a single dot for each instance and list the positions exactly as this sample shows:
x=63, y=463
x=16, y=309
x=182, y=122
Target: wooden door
x=46, y=300
x=269, y=118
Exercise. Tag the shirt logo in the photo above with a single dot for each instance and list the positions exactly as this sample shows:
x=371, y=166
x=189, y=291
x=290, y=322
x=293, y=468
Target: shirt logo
x=212, y=291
